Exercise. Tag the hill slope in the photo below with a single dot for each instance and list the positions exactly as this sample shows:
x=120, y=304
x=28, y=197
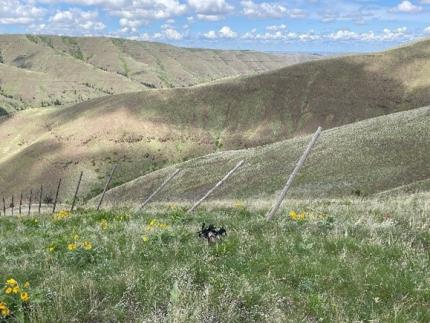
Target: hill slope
x=151, y=129
x=52, y=70
x=365, y=157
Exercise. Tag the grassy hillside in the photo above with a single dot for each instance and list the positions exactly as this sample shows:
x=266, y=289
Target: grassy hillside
x=52, y=70
x=359, y=159
x=147, y=130
x=346, y=261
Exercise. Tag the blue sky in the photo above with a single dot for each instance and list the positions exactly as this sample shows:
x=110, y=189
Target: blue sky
x=284, y=25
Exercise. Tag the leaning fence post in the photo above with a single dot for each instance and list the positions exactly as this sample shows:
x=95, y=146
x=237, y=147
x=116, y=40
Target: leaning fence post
x=40, y=197
x=215, y=187
x=56, y=196
x=20, y=203
x=76, y=192
x=29, y=202
x=299, y=165
x=159, y=189
x=106, y=187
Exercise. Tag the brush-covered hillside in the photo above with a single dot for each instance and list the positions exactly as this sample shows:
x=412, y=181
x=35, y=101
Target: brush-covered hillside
x=363, y=158
x=147, y=130
x=53, y=70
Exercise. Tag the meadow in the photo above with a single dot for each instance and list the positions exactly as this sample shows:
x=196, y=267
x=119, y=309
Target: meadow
x=323, y=260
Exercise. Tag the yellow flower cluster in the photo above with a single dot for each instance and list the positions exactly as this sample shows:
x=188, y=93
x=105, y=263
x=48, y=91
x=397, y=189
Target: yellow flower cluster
x=155, y=224
x=4, y=310
x=86, y=245
x=12, y=289
x=297, y=216
x=61, y=215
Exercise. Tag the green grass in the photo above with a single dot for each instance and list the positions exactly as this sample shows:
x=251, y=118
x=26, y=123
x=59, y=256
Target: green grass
x=350, y=260
x=363, y=158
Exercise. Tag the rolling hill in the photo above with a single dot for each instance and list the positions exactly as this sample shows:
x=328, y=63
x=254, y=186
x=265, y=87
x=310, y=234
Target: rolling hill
x=363, y=158
x=147, y=130
x=53, y=70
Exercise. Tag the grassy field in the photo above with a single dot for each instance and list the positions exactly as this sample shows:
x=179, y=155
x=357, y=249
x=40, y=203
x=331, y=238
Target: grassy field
x=346, y=260
x=43, y=71
x=386, y=155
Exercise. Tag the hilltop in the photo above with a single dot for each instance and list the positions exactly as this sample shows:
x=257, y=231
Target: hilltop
x=54, y=70
x=363, y=158
x=147, y=130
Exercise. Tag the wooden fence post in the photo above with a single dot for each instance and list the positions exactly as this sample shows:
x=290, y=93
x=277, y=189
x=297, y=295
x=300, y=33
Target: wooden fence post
x=20, y=203
x=40, y=197
x=4, y=207
x=12, y=206
x=299, y=165
x=56, y=196
x=215, y=187
x=159, y=189
x=76, y=192
x=29, y=202
x=106, y=187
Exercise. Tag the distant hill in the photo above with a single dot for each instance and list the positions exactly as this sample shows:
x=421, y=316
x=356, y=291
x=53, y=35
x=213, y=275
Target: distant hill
x=363, y=158
x=147, y=130
x=52, y=70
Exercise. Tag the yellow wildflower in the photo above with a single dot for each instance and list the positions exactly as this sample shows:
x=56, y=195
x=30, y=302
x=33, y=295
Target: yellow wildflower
x=11, y=282
x=25, y=297
x=8, y=290
x=72, y=246
x=145, y=238
x=60, y=215
x=87, y=245
x=51, y=249
x=26, y=284
x=297, y=216
x=15, y=290
x=4, y=310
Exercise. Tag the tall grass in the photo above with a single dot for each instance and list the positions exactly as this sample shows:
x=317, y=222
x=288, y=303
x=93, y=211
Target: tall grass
x=348, y=260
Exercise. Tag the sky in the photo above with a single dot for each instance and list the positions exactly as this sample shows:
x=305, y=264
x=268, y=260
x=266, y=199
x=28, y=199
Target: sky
x=283, y=26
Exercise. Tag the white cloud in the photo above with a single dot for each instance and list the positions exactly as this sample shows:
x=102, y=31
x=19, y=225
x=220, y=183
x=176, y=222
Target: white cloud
x=210, y=7
x=427, y=30
x=269, y=10
x=146, y=11
x=172, y=34
x=263, y=9
x=209, y=17
x=407, y=7
x=276, y=27
x=398, y=34
x=225, y=33
x=14, y=12
x=386, y=35
x=71, y=21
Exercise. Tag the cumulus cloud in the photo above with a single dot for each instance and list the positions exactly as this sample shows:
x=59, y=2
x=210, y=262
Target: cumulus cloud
x=224, y=33
x=407, y=7
x=14, y=12
x=210, y=7
x=265, y=10
x=427, y=30
x=71, y=21
x=274, y=34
